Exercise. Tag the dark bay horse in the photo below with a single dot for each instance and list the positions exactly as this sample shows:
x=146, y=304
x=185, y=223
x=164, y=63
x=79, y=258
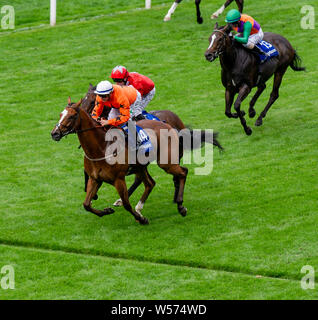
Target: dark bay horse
x=166, y=116
x=239, y=3
x=241, y=70
x=91, y=135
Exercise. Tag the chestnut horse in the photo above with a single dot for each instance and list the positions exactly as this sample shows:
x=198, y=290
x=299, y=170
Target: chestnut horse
x=91, y=135
x=166, y=116
x=241, y=70
x=239, y=3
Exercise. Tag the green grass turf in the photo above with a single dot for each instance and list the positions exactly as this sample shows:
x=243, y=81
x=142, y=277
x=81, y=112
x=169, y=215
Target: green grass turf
x=57, y=275
x=256, y=214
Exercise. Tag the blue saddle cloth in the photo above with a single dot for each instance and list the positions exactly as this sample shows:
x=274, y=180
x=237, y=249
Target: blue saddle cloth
x=142, y=141
x=268, y=49
x=150, y=116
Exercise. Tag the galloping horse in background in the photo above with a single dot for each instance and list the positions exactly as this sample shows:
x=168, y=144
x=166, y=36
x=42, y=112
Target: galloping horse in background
x=91, y=135
x=241, y=70
x=239, y=3
x=166, y=116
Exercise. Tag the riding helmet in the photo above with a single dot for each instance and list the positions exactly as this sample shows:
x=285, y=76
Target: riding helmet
x=233, y=16
x=103, y=88
x=119, y=72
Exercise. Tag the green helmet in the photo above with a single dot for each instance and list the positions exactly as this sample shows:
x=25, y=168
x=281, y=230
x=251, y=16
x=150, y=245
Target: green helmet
x=233, y=16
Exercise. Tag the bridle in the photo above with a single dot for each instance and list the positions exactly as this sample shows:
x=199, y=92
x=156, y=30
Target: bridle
x=70, y=131
x=224, y=36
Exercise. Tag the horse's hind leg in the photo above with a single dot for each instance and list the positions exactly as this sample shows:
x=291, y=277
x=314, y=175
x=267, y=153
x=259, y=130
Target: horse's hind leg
x=240, y=4
x=121, y=188
x=149, y=185
x=274, y=95
x=179, y=174
x=92, y=188
x=199, y=18
x=176, y=188
x=260, y=89
x=131, y=190
x=243, y=93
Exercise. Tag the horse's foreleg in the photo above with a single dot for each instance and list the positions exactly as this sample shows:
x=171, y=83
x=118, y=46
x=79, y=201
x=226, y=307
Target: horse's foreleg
x=229, y=98
x=92, y=188
x=243, y=93
x=273, y=97
x=95, y=197
x=121, y=188
x=131, y=190
x=171, y=10
x=251, y=110
x=199, y=18
x=149, y=185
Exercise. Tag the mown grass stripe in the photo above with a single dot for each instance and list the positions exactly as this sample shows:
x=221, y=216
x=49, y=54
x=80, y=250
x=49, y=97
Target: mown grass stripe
x=167, y=262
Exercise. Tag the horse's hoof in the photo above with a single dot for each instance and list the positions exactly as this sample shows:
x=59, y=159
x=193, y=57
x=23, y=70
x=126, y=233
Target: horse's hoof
x=248, y=131
x=242, y=113
x=258, y=122
x=165, y=19
x=118, y=203
x=108, y=211
x=252, y=113
x=95, y=197
x=183, y=211
x=143, y=221
x=200, y=20
x=234, y=115
x=214, y=16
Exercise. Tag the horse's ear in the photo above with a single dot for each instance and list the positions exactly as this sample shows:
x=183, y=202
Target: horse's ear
x=216, y=26
x=77, y=105
x=69, y=102
x=228, y=28
x=90, y=86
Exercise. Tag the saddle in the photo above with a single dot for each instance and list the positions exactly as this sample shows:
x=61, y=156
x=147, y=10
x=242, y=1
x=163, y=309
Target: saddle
x=137, y=137
x=265, y=51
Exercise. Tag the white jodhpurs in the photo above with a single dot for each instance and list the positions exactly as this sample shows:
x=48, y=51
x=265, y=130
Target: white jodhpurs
x=254, y=39
x=147, y=98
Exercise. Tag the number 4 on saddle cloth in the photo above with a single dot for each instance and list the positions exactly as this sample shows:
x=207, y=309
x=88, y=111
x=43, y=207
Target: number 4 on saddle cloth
x=141, y=142
x=268, y=51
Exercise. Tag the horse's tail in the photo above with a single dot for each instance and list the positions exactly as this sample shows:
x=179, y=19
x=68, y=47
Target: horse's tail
x=195, y=139
x=296, y=63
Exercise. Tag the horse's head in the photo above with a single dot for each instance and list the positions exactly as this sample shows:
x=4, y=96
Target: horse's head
x=219, y=40
x=88, y=102
x=69, y=121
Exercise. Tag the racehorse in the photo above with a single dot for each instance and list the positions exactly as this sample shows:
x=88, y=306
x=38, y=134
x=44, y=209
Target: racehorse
x=91, y=135
x=239, y=3
x=241, y=70
x=166, y=116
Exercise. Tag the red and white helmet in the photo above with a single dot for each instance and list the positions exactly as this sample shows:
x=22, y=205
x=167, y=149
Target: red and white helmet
x=119, y=72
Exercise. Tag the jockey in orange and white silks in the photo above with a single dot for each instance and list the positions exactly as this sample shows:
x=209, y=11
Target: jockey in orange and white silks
x=143, y=84
x=124, y=101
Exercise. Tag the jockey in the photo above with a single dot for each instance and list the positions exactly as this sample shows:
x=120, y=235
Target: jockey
x=143, y=84
x=124, y=101
x=250, y=29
